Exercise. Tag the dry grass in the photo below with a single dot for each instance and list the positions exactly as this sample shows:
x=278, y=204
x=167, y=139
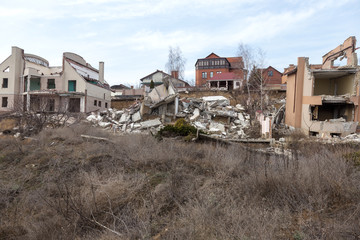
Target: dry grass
x=134, y=187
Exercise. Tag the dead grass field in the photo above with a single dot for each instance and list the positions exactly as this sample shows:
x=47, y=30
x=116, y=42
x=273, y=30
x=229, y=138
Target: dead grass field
x=61, y=186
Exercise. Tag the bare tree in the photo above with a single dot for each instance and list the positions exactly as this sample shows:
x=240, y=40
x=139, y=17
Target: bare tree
x=253, y=59
x=176, y=61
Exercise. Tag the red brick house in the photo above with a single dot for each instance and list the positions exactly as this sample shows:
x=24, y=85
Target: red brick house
x=272, y=78
x=207, y=68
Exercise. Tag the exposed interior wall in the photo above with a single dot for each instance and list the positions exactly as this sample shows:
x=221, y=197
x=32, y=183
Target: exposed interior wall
x=335, y=86
x=333, y=111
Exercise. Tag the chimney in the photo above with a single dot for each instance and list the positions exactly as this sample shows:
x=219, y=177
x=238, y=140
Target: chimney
x=101, y=72
x=175, y=74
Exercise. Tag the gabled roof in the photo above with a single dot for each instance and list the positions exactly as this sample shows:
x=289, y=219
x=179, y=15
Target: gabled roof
x=223, y=76
x=233, y=61
x=270, y=67
x=213, y=55
x=142, y=79
x=165, y=75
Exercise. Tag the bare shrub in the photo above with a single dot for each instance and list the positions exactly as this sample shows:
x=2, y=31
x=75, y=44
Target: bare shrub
x=61, y=186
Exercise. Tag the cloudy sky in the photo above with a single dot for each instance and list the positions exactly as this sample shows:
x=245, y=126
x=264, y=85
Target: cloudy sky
x=133, y=37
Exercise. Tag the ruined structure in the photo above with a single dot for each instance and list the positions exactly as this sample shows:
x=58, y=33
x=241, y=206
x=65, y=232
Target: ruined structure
x=29, y=83
x=324, y=99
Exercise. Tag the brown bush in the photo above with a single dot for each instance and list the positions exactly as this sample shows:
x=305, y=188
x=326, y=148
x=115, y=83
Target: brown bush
x=62, y=186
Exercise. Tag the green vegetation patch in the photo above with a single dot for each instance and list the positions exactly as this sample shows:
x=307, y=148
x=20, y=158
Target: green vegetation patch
x=180, y=128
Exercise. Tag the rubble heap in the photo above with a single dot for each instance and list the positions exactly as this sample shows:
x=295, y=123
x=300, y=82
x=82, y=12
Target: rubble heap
x=213, y=115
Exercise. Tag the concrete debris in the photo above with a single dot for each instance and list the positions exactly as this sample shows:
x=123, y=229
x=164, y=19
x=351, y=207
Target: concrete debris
x=151, y=123
x=196, y=115
x=213, y=115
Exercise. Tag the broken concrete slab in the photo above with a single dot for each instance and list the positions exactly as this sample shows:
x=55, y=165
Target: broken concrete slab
x=136, y=117
x=240, y=107
x=151, y=123
x=124, y=117
x=196, y=115
x=199, y=125
x=215, y=127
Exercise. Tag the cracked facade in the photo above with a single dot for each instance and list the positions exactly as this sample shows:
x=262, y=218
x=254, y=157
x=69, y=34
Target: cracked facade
x=324, y=99
x=28, y=82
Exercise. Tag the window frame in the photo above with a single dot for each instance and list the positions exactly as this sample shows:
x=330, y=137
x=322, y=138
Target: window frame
x=48, y=83
x=4, y=100
x=7, y=83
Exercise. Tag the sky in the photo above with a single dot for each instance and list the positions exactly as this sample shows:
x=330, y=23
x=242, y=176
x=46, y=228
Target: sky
x=133, y=37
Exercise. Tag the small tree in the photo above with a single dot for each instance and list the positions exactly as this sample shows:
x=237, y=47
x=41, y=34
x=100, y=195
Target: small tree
x=253, y=60
x=176, y=61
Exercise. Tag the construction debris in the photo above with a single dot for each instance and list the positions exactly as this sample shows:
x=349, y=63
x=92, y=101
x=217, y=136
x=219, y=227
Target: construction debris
x=212, y=115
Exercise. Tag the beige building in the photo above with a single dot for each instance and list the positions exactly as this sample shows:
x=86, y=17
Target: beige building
x=324, y=99
x=28, y=82
x=158, y=78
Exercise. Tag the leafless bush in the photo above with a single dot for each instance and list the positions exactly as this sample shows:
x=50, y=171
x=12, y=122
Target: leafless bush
x=133, y=187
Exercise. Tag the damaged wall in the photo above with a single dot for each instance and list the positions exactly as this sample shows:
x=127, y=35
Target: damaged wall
x=319, y=100
x=345, y=50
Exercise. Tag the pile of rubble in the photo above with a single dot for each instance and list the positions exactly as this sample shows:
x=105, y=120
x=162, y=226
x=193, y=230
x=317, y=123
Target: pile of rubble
x=213, y=115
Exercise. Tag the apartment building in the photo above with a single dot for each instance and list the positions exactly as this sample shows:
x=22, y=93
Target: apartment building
x=28, y=82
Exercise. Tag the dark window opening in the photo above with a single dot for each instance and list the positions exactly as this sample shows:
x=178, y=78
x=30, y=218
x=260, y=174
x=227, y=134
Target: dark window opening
x=213, y=84
x=99, y=103
x=95, y=102
x=106, y=105
x=222, y=84
x=51, y=84
x=51, y=105
x=5, y=83
x=325, y=112
x=74, y=105
x=270, y=73
x=4, y=102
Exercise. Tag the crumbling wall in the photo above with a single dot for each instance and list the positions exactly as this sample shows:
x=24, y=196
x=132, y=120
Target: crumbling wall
x=345, y=50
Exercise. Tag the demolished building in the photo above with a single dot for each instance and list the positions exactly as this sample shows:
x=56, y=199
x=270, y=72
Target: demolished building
x=324, y=99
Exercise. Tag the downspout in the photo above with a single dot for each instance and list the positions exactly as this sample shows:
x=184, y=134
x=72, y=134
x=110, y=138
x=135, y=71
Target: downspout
x=85, y=101
x=28, y=93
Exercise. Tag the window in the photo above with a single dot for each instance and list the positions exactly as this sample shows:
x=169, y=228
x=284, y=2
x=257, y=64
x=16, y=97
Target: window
x=5, y=83
x=106, y=105
x=95, y=102
x=270, y=73
x=218, y=72
x=238, y=84
x=4, y=102
x=204, y=74
x=99, y=103
x=72, y=86
x=51, y=105
x=51, y=84
x=211, y=74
